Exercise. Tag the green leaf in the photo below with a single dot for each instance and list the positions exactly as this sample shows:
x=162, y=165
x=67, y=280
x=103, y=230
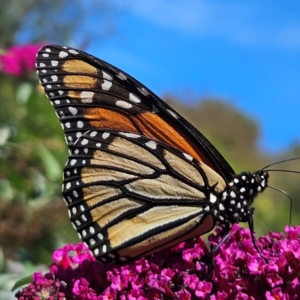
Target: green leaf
x=6, y=190
x=4, y=135
x=23, y=93
x=23, y=281
x=51, y=164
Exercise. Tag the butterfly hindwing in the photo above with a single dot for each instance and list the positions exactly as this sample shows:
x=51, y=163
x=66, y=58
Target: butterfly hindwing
x=114, y=181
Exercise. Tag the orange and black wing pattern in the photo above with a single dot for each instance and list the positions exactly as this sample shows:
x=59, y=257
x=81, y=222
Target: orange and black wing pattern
x=139, y=177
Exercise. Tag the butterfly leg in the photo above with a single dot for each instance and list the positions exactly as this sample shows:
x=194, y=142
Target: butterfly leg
x=251, y=227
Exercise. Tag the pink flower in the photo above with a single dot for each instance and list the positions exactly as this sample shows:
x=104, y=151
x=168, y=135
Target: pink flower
x=256, y=266
x=239, y=272
x=19, y=60
x=276, y=294
x=203, y=289
x=42, y=287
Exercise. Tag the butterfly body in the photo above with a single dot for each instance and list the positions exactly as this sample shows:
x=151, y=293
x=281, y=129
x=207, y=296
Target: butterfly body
x=139, y=177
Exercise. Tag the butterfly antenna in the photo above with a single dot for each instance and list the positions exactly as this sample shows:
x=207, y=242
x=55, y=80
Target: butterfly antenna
x=279, y=162
x=286, y=194
x=284, y=170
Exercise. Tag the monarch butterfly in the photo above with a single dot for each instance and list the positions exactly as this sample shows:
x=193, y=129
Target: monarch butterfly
x=139, y=177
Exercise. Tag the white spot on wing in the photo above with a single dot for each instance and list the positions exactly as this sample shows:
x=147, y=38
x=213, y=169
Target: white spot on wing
x=134, y=98
x=63, y=54
x=144, y=91
x=123, y=104
x=122, y=76
x=73, y=162
x=221, y=206
x=54, y=78
x=187, y=156
x=106, y=85
x=105, y=135
x=80, y=124
x=73, y=51
x=93, y=133
x=106, y=76
x=172, y=113
x=86, y=96
x=151, y=144
x=84, y=142
x=130, y=135
x=212, y=198
x=73, y=110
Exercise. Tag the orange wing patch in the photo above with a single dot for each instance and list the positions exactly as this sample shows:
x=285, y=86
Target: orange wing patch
x=156, y=128
x=148, y=124
x=105, y=118
x=79, y=66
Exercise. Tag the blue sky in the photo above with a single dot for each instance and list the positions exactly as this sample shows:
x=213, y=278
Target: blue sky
x=246, y=52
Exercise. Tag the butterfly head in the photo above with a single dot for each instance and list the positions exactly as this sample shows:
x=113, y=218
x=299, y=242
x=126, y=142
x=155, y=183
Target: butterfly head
x=235, y=205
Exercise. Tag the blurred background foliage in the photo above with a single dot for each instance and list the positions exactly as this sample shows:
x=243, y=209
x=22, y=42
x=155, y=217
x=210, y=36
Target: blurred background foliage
x=33, y=216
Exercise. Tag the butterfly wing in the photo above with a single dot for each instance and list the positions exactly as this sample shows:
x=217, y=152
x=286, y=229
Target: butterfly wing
x=77, y=83
x=129, y=195
x=139, y=175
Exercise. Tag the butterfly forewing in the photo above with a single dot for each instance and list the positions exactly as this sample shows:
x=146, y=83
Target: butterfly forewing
x=77, y=82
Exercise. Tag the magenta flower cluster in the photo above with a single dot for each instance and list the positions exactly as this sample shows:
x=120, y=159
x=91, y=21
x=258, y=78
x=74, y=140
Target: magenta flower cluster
x=183, y=272
x=19, y=60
